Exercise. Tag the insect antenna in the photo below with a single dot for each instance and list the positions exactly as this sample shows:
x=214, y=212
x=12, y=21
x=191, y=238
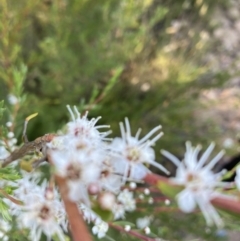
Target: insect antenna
x=24, y=136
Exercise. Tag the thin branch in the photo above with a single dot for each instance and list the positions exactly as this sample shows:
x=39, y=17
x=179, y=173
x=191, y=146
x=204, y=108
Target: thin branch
x=131, y=232
x=226, y=203
x=78, y=227
x=154, y=179
x=12, y=199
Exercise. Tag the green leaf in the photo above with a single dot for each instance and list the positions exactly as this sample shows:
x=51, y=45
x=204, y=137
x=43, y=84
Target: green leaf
x=9, y=189
x=113, y=80
x=124, y=223
x=19, y=75
x=233, y=214
x=169, y=190
x=3, y=131
x=4, y=210
x=230, y=173
x=56, y=238
x=8, y=173
x=106, y=215
x=2, y=109
x=94, y=94
x=153, y=235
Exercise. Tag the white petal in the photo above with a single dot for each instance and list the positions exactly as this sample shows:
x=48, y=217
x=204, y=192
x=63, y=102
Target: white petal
x=186, y=201
x=206, y=155
x=138, y=172
x=213, y=162
x=210, y=214
x=171, y=157
x=159, y=166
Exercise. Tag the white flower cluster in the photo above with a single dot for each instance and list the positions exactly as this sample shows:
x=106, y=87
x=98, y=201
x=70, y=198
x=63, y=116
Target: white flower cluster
x=96, y=169
x=41, y=211
x=91, y=164
x=125, y=203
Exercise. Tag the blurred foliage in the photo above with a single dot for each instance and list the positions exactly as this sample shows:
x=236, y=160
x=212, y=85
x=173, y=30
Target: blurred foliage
x=116, y=58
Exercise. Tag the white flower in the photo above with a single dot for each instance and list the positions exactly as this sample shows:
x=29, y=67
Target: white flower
x=127, y=228
x=228, y=143
x=12, y=99
x=147, y=230
x=133, y=152
x=132, y=185
x=118, y=211
x=67, y=157
x=143, y=222
x=167, y=202
x=141, y=196
x=146, y=191
x=106, y=200
x=10, y=135
x=150, y=200
x=127, y=199
x=40, y=215
x=110, y=179
x=27, y=185
x=100, y=228
x=83, y=128
x=9, y=124
x=42, y=211
x=199, y=182
x=12, y=142
x=79, y=171
x=80, y=155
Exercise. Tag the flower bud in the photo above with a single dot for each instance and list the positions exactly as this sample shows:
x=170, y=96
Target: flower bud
x=106, y=200
x=93, y=188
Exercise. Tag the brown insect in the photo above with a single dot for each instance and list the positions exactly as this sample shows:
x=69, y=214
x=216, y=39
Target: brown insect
x=38, y=145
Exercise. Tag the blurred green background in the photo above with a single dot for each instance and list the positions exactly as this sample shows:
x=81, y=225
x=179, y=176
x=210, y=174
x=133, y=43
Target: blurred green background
x=146, y=60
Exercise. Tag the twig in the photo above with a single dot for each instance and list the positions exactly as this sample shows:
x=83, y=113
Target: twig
x=131, y=232
x=154, y=179
x=12, y=199
x=226, y=203
x=78, y=228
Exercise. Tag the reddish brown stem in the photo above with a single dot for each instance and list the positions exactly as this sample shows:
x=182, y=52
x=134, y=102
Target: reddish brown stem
x=227, y=204
x=78, y=227
x=131, y=232
x=154, y=179
x=221, y=202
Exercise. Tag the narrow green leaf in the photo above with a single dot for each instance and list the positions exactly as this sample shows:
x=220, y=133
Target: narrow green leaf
x=169, y=190
x=2, y=109
x=8, y=173
x=94, y=94
x=4, y=210
x=124, y=223
x=113, y=80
